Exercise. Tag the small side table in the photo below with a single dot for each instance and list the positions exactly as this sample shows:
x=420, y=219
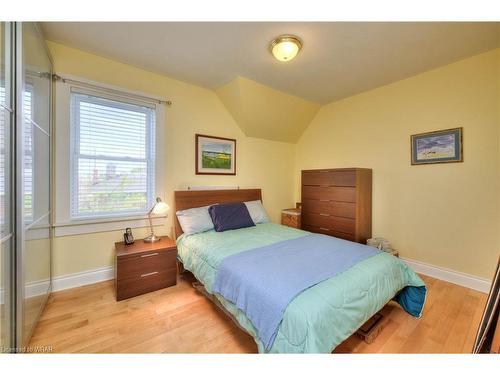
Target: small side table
x=144, y=267
x=291, y=218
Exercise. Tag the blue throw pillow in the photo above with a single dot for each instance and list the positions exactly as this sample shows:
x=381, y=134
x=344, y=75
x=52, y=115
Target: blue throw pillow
x=230, y=216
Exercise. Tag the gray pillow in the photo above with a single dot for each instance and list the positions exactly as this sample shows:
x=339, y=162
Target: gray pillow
x=257, y=212
x=195, y=220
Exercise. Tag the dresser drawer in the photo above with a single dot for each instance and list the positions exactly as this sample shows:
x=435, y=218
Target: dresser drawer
x=140, y=264
x=329, y=178
x=338, y=194
x=338, y=224
x=145, y=283
x=329, y=232
x=342, y=209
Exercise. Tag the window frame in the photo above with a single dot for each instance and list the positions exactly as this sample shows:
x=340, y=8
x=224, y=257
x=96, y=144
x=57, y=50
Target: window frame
x=64, y=224
x=75, y=155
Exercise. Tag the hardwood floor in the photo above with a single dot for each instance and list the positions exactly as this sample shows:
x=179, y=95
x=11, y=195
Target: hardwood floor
x=180, y=320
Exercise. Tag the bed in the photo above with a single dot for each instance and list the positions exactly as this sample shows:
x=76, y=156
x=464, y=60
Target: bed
x=320, y=317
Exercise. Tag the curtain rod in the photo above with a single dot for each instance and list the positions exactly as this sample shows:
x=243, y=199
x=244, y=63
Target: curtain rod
x=56, y=77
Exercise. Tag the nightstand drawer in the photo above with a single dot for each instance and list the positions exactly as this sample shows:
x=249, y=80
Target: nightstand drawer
x=145, y=263
x=146, y=282
x=291, y=218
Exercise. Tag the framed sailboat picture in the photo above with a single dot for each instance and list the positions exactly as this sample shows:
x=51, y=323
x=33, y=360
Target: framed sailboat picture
x=442, y=146
x=215, y=155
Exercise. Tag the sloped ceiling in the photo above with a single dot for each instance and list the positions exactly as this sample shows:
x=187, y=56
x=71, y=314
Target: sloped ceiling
x=338, y=59
x=263, y=112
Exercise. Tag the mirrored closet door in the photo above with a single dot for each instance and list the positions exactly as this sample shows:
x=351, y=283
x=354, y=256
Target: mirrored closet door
x=34, y=249
x=25, y=181
x=6, y=180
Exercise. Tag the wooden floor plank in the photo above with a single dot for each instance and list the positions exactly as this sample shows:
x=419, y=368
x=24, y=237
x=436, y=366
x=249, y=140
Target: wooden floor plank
x=180, y=320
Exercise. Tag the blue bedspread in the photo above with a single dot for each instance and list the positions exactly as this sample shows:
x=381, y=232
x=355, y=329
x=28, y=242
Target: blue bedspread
x=262, y=282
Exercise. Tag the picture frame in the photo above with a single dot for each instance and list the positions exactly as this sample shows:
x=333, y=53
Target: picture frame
x=441, y=146
x=215, y=155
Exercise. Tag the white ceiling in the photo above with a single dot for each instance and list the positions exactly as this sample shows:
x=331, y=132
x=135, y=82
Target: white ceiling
x=338, y=59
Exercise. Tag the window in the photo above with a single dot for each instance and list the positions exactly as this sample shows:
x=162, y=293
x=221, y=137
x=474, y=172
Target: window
x=4, y=160
x=109, y=149
x=113, y=153
x=28, y=151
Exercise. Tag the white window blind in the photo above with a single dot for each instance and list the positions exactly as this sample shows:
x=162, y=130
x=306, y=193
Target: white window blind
x=28, y=151
x=4, y=154
x=112, y=156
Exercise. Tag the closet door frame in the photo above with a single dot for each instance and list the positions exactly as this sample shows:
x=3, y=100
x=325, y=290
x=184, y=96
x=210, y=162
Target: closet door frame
x=18, y=333
x=8, y=323
x=18, y=188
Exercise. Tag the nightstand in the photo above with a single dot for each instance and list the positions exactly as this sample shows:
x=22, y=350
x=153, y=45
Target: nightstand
x=291, y=217
x=144, y=267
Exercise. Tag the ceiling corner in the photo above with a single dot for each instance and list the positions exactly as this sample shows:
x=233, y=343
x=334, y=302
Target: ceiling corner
x=263, y=112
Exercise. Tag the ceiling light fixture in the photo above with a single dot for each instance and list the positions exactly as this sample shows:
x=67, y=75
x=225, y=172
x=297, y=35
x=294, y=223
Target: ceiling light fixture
x=285, y=47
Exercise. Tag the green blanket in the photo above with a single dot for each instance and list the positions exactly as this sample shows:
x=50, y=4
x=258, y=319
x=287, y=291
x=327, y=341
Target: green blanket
x=319, y=318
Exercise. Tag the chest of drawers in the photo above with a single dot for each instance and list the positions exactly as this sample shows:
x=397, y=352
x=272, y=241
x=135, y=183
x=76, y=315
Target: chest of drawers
x=338, y=202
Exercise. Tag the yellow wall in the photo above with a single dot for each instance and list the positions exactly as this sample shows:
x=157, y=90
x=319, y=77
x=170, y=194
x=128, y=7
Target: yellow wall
x=260, y=163
x=263, y=112
x=37, y=260
x=443, y=214
x=447, y=215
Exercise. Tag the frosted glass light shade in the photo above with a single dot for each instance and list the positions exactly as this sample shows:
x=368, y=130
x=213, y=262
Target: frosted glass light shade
x=160, y=208
x=285, y=47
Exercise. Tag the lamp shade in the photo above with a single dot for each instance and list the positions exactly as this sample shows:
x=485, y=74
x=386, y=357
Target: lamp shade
x=160, y=208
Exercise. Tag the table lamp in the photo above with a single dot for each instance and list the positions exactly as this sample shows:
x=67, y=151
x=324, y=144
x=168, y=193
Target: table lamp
x=159, y=208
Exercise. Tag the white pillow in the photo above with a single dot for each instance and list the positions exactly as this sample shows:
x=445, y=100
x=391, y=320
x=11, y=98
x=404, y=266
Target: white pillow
x=195, y=220
x=257, y=212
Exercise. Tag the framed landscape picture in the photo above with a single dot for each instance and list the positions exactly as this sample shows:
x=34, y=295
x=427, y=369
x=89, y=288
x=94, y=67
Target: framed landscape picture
x=442, y=146
x=215, y=155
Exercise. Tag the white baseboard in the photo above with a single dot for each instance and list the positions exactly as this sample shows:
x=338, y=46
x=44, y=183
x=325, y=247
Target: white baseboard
x=82, y=278
x=32, y=289
x=107, y=273
x=445, y=274
x=36, y=288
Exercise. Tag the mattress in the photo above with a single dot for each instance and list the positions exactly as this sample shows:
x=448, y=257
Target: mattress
x=320, y=317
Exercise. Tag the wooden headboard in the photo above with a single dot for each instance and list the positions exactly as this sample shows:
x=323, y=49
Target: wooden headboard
x=199, y=198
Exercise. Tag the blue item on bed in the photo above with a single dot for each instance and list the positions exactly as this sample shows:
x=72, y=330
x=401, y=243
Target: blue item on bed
x=262, y=282
x=230, y=216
